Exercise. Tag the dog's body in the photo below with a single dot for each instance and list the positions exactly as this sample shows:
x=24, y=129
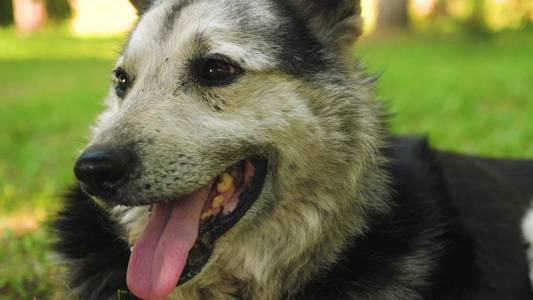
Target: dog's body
x=325, y=204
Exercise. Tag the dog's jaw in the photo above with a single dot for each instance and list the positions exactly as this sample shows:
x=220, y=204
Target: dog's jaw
x=165, y=244
x=246, y=261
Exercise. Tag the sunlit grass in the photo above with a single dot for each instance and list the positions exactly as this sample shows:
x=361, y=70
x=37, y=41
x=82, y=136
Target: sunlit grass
x=50, y=44
x=47, y=106
x=472, y=96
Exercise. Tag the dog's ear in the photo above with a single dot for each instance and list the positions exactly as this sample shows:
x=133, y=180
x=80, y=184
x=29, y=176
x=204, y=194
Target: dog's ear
x=336, y=22
x=141, y=5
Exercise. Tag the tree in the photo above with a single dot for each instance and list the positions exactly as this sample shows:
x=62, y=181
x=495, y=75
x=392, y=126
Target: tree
x=393, y=15
x=58, y=10
x=477, y=23
x=6, y=12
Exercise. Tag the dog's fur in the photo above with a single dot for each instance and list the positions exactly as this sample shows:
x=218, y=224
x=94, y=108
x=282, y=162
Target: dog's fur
x=346, y=212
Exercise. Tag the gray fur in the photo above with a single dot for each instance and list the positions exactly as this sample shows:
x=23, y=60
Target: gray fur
x=320, y=131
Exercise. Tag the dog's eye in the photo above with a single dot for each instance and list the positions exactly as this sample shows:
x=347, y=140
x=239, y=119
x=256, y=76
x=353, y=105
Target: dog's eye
x=216, y=72
x=122, y=82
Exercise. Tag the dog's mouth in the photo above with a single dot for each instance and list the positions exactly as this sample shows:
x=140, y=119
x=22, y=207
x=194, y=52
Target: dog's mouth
x=180, y=236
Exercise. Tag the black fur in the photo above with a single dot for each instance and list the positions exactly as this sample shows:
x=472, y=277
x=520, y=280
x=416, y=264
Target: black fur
x=141, y=5
x=300, y=53
x=90, y=238
x=464, y=212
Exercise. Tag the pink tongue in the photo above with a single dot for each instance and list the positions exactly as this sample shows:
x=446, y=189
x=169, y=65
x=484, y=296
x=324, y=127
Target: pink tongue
x=159, y=255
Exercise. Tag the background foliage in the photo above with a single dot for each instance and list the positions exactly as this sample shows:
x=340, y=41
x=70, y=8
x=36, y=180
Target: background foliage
x=58, y=10
x=6, y=12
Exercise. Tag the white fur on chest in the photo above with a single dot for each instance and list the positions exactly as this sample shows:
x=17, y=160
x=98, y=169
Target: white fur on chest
x=527, y=231
x=133, y=220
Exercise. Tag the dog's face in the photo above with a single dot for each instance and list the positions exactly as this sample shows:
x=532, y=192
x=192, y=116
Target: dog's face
x=211, y=101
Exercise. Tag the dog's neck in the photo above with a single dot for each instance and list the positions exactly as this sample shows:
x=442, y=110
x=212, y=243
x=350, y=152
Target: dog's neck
x=292, y=248
x=320, y=207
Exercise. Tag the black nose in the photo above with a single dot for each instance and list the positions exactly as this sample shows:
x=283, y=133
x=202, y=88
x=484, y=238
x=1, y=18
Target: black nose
x=103, y=169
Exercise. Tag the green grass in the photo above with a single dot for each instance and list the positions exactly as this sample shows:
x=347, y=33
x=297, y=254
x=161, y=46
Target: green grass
x=27, y=269
x=46, y=108
x=474, y=96
x=56, y=43
x=51, y=86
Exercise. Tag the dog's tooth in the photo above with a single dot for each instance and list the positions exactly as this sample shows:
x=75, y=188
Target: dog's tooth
x=218, y=201
x=206, y=215
x=225, y=183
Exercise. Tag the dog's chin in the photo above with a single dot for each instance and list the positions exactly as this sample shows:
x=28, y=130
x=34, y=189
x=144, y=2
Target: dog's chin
x=180, y=236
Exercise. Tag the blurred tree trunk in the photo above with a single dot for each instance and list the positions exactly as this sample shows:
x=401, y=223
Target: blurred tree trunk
x=58, y=10
x=29, y=15
x=477, y=23
x=392, y=15
x=6, y=12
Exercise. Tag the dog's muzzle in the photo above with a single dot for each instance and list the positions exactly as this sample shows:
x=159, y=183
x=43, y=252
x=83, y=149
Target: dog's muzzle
x=103, y=169
x=182, y=230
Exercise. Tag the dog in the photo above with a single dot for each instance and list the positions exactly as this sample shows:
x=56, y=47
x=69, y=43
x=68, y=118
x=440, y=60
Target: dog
x=242, y=155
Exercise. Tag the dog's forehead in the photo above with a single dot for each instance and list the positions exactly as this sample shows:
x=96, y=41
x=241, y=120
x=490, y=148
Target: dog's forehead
x=177, y=28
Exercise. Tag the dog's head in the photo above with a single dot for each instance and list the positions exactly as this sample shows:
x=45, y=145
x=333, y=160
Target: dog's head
x=220, y=111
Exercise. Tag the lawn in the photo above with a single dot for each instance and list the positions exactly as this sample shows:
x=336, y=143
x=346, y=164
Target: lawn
x=468, y=95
